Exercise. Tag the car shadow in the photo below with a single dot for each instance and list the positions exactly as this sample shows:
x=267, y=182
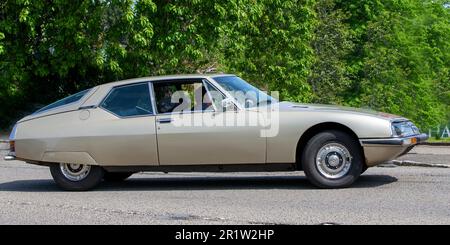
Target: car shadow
x=197, y=183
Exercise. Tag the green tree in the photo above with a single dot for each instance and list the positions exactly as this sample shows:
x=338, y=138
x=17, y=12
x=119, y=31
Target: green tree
x=332, y=43
x=393, y=65
x=268, y=42
x=390, y=55
x=53, y=48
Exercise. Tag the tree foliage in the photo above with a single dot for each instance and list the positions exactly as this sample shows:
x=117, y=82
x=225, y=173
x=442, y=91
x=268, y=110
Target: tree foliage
x=398, y=64
x=390, y=55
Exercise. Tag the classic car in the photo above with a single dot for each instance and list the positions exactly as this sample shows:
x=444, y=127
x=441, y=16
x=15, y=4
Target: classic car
x=109, y=132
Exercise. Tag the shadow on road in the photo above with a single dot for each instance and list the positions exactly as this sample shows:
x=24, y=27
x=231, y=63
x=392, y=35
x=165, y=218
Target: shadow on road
x=197, y=183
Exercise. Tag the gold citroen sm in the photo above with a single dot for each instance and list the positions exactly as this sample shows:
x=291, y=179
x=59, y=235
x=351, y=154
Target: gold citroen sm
x=113, y=130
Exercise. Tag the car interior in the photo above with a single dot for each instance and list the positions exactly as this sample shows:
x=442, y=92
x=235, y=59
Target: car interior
x=181, y=96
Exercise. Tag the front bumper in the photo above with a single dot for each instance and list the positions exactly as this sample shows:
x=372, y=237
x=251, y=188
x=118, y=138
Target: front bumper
x=410, y=140
x=381, y=150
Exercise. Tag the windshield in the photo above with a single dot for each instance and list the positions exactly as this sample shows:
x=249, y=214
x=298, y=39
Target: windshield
x=68, y=100
x=243, y=92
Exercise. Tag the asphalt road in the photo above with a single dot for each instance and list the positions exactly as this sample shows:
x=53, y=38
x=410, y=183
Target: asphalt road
x=429, y=154
x=394, y=195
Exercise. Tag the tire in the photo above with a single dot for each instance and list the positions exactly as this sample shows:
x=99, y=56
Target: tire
x=116, y=176
x=332, y=159
x=63, y=178
x=364, y=168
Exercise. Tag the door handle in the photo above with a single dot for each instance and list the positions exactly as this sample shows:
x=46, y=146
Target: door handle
x=164, y=120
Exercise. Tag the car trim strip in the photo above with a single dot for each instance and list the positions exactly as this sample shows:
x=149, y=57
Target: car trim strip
x=152, y=97
x=393, y=141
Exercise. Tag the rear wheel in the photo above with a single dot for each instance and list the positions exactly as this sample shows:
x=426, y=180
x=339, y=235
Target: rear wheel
x=116, y=176
x=332, y=159
x=76, y=177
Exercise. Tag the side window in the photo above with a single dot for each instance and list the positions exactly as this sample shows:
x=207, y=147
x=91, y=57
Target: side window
x=219, y=100
x=130, y=100
x=181, y=96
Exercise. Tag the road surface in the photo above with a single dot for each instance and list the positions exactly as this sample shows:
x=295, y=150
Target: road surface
x=382, y=195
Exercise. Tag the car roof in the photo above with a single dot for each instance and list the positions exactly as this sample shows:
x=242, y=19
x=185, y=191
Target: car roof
x=156, y=78
x=98, y=92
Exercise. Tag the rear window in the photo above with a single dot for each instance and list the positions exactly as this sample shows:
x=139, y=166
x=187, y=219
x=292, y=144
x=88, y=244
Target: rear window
x=68, y=100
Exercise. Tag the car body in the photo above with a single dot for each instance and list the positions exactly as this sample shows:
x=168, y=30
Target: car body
x=128, y=126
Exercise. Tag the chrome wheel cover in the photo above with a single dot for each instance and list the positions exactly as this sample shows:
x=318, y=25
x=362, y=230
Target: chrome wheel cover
x=333, y=160
x=75, y=172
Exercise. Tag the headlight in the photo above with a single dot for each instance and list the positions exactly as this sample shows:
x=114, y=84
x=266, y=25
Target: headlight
x=404, y=128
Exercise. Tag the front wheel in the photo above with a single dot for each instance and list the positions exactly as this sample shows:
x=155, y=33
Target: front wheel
x=332, y=159
x=76, y=177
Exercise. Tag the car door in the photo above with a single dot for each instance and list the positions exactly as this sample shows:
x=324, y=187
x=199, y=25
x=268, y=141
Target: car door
x=122, y=130
x=197, y=132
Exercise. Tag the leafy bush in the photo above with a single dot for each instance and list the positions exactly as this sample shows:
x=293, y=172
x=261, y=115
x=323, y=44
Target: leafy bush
x=390, y=55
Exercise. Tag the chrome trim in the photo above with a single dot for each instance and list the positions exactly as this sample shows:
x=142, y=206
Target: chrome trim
x=164, y=120
x=75, y=172
x=152, y=97
x=184, y=112
x=395, y=141
x=333, y=160
x=10, y=157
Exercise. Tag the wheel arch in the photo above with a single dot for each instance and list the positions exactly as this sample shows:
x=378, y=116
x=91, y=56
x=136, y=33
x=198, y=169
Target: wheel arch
x=68, y=157
x=313, y=130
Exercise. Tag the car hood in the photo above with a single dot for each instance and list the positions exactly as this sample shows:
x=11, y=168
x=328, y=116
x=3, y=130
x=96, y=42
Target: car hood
x=290, y=106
